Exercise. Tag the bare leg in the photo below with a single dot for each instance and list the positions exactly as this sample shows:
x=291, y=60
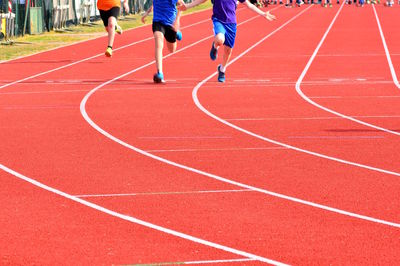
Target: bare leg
x=111, y=30
x=219, y=40
x=159, y=45
x=171, y=47
x=225, y=60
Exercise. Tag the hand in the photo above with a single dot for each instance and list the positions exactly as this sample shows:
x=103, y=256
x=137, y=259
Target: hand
x=269, y=16
x=144, y=19
x=182, y=7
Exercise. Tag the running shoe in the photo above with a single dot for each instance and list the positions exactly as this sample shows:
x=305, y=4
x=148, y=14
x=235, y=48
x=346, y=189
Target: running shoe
x=158, y=77
x=179, y=35
x=213, y=52
x=108, y=52
x=118, y=29
x=221, y=75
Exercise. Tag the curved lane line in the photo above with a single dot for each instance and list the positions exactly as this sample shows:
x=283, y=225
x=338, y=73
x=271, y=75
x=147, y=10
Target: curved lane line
x=300, y=92
x=138, y=221
x=304, y=202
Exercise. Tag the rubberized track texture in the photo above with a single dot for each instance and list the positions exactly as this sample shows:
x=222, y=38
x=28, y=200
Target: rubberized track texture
x=292, y=161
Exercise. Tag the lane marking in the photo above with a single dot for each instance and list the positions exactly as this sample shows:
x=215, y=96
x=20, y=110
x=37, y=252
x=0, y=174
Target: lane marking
x=184, y=137
x=234, y=84
x=38, y=107
x=138, y=221
x=336, y=137
x=163, y=193
x=307, y=118
x=354, y=97
x=195, y=262
x=307, y=99
x=304, y=202
x=216, y=149
x=392, y=71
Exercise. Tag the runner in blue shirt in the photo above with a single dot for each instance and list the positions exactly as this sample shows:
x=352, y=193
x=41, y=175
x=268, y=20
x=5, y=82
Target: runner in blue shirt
x=224, y=21
x=165, y=25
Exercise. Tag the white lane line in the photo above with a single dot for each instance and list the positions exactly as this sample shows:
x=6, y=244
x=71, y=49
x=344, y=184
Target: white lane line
x=111, y=89
x=307, y=99
x=304, y=202
x=354, y=97
x=138, y=221
x=89, y=58
x=184, y=137
x=216, y=149
x=38, y=107
x=307, y=118
x=217, y=261
x=392, y=71
x=163, y=193
x=196, y=262
x=336, y=137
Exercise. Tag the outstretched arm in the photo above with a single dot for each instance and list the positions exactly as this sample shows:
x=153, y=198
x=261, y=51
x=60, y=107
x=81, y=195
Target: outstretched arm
x=190, y=5
x=146, y=14
x=267, y=15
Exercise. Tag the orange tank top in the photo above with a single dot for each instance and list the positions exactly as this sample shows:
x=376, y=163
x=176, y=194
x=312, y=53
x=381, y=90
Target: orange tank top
x=108, y=4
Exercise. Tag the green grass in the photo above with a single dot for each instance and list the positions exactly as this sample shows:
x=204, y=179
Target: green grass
x=30, y=44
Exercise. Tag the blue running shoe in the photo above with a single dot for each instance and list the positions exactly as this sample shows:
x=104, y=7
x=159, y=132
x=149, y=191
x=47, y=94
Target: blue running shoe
x=158, y=77
x=221, y=75
x=213, y=52
x=179, y=35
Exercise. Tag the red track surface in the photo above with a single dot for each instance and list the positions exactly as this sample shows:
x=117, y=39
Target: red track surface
x=337, y=181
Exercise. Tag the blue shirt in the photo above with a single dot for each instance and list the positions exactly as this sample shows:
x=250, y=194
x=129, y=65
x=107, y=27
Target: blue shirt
x=225, y=10
x=164, y=11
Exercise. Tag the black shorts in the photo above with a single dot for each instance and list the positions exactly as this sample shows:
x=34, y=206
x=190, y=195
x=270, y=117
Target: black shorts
x=168, y=31
x=106, y=14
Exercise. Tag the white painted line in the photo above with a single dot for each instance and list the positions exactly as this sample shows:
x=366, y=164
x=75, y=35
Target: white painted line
x=307, y=99
x=336, y=137
x=196, y=262
x=38, y=107
x=354, y=97
x=392, y=71
x=217, y=261
x=307, y=118
x=138, y=221
x=164, y=193
x=184, y=137
x=216, y=149
x=309, y=203
x=79, y=90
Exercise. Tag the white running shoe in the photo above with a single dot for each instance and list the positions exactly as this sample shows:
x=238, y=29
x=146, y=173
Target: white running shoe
x=118, y=29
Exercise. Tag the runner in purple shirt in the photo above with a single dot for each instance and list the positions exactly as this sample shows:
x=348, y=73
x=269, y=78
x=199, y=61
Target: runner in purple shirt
x=224, y=21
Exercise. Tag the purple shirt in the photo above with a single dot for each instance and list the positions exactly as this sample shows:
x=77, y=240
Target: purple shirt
x=225, y=10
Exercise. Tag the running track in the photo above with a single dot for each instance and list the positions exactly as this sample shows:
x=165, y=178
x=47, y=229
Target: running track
x=292, y=161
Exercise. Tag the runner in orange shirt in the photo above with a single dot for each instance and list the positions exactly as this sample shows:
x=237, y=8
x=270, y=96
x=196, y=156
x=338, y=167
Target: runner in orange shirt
x=109, y=11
